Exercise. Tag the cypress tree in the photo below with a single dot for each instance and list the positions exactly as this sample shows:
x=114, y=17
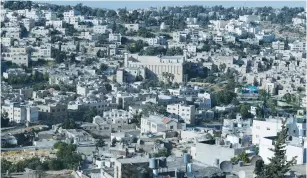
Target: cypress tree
x=278, y=165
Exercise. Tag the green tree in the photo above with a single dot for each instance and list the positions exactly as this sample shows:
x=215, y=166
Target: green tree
x=222, y=67
x=4, y=119
x=244, y=111
x=69, y=124
x=100, y=143
x=89, y=115
x=5, y=165
x=18, y=167
x=55, y=164
x=278, y=165
x=113, y=142
x=136, y=46
x=240, y=157
x=66, y=153
x=100, y=54
x=108, y=87
x=259, y=167
x=162, y=153
x=225, y=97
x=301, y=89
x=103, y=67
x=174, y=51
x=23, y=32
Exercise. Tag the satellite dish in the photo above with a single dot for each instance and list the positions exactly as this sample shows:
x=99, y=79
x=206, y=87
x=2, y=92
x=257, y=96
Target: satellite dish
x=241, y=174
x=226, y=166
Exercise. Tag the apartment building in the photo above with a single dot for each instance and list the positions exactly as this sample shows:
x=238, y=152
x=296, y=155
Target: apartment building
x=182, y=112
x=100, y=29
x=107, y=125
x=55, y=23
x=299, y=46
x=133, y=27
x=40, y=31
x=50, y=15
x=278, y=45
x=270, y=127
x=115, y=38
x=117, y=113
x=18, y=72
x=20, y=113
x=296, y=147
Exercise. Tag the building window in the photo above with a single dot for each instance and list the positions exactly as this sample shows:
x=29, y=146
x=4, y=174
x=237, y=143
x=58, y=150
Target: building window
x=171, y=127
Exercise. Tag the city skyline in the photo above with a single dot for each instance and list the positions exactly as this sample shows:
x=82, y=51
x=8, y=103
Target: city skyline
x=146, y=4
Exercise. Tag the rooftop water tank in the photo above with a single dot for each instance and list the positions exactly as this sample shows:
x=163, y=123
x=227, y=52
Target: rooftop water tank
x=186, y=158
x=190, y=168
x=153, y=163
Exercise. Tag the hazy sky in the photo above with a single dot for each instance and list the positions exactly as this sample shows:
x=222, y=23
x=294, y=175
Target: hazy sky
x=147, y=3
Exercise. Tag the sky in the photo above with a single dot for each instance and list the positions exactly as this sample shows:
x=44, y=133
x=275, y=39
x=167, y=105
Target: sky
x=147, y=3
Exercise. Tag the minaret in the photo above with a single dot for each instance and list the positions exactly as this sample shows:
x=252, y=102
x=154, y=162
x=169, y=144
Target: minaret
x=126, y=59
x=185, y=55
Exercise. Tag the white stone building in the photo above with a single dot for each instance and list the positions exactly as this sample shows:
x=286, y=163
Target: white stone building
x=182, y=112
x=157, y=66
x=155, y=124
x=20, y=113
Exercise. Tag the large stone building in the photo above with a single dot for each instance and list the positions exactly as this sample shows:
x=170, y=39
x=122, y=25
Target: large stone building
x=158, y=66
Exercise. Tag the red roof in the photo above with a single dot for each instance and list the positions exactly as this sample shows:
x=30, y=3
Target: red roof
x=166, y=120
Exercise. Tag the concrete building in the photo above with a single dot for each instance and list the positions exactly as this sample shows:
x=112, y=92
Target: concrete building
x=126, y=168
x=115, y=38
x=218, y=38
x=78, y=135
x=55, y=23
x=117, y=113
x=156, y=41
x=179, y=36
x=211, y=152
x=294, y=147
x=182, y=112
x=108, y=124
x=53, y=113
x=133, y=27
x=278, y=45
x=298, y=46
x=131, y=74
x=270, y=127
x=155, y=124
x=100, y=29
x=50, y=15
x=157, y=66
x=18, y=72
x=20, y=113
x=249, y=18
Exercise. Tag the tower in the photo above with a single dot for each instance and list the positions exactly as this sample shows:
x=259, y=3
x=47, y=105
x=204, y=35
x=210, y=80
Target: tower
x=185, y=55
x=126, y=59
